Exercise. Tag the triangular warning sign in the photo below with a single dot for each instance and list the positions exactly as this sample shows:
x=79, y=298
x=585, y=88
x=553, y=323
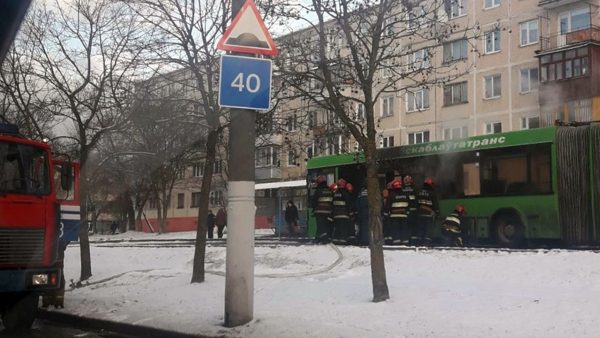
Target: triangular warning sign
x=248, y=33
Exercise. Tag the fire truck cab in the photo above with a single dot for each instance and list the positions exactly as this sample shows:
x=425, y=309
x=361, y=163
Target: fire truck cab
x=39, y=214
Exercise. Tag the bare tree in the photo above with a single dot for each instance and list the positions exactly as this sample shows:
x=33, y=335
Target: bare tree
x=353, y=53
x=185, y=35
x=81, y=53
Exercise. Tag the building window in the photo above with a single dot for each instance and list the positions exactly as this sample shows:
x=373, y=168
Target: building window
x=574, y=20
x=215, y=198
x=419, y=137
x=455, y=93
x=388, y=26
x=195, y=200
x=487, y=4
x=493, y=127
x=492, y=41
x=310, y=150
x=266, y=157
x=456, y=133
x=333, y=118
x=455, y=50
x=529, y=32
x=529, y=80
x=291, y=123
x=386, y=70
x=419, y=59
x=417, y=100
x=564, y=65
x=455, y=8
x=291, y=158
x=336, y=145
x=530, y=122
x=198, y=170
x=218, y=167
x=387, y=106
x=387, y=142
x=152, y=203
x=361, y=114
x=180, y=201
x=493, y=86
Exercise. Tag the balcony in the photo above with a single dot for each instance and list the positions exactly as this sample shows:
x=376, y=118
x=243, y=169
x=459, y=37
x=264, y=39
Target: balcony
x=550, y=4
x=588, y=34
x=267, y=173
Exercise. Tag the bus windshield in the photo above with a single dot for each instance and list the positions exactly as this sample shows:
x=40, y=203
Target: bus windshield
x=23, y=169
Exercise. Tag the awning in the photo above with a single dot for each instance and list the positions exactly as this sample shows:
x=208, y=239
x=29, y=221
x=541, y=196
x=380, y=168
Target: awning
x=282, y=184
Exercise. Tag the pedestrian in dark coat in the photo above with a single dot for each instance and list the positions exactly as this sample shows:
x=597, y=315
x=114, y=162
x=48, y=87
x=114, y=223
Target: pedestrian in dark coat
x=291, y=218
x=221, y=221
x=210, y=223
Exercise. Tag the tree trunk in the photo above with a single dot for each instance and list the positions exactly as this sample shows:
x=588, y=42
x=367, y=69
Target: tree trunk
x=130, y=213
x=378, y=275
x=200, y=249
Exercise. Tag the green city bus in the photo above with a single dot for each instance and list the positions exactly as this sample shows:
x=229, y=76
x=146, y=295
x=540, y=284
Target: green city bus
x=520, y=186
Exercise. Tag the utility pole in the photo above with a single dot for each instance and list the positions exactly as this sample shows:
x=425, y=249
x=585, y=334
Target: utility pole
x=244, y=86
x=239, y=270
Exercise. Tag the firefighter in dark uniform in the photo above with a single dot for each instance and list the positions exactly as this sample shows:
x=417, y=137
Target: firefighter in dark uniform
x=428, y=209
x=452, y=227
x=342, y=214
x=396, y=212
x=412, y=218
x=322, y=205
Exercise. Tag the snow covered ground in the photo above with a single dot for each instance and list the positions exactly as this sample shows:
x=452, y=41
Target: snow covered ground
x=308, y=291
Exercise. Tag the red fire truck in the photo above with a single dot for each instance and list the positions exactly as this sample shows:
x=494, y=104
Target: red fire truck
x=39, y=215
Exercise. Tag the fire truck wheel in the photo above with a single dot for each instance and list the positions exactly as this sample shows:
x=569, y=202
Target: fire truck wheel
x=21, y=314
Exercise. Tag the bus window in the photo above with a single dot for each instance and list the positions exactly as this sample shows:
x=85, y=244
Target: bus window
x=471, y=182
x=504, y=174
x=540, y=171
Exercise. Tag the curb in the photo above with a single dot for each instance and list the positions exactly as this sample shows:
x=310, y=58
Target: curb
x=80, y=322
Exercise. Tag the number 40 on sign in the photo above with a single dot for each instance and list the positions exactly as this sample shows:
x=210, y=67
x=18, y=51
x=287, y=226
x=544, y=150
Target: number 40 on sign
x=245, y=82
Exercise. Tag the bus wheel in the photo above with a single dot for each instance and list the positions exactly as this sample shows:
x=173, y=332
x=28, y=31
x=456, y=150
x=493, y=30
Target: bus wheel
x=509, y=230
x=21, y=314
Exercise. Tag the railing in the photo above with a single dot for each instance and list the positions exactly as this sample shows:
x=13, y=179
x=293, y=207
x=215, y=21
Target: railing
x=591, y=33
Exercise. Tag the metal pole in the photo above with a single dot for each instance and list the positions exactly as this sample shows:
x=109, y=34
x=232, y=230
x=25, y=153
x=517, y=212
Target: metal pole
x=239, y=271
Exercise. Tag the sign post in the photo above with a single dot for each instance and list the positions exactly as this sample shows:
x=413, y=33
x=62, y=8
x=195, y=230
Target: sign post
x=245, y=84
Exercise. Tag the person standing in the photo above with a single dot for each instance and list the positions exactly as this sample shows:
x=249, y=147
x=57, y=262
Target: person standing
x=452, y=227
x=343, y=227
x=321, y=204
x=221, y=221
x=362, y=211
x=412, y=219
x=396, y=211
x=210, y=223
x=291, y=218
x=428, y=209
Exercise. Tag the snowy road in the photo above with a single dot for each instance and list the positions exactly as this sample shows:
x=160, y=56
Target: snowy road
x=308, y=291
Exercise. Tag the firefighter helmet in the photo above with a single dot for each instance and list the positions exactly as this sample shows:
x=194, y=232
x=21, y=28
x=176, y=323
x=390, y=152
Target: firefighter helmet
x=320, y=179
x=396, y=184
x=408, y=180
x=349, y=187
x=460, y=209
x=341, y=183
x=332, y=187
x=429, y=181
